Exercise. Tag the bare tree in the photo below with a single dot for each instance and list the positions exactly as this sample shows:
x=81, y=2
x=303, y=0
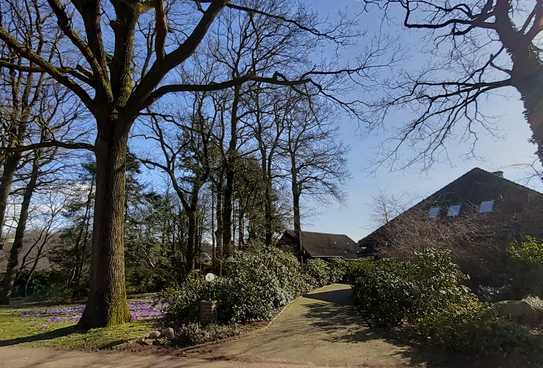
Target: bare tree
x=387, y=207
x=185, y=152
x=490, y=45
x=316, y=161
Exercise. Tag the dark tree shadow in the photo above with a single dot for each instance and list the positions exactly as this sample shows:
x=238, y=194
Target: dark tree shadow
x=341, y=297
x=49, y=335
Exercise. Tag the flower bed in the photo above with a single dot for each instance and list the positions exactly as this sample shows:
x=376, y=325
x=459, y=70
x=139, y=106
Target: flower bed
x=139, y=309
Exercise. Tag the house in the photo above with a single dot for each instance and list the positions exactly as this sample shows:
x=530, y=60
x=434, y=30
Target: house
x=478, y=210
x=320, y=245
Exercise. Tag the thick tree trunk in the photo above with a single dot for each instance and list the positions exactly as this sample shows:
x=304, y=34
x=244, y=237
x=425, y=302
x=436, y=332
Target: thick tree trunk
x=13, y=261
x=10, y=166
x=526, y=73
x=531, y=92
x=107, y=304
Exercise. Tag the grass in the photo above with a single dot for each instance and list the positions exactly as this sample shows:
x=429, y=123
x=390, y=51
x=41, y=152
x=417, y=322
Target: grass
x=17, y=329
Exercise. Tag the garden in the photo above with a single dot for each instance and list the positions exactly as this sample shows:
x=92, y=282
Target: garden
x=251, y=288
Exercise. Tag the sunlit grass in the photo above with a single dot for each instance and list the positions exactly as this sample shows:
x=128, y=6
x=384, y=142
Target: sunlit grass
x=29, y=326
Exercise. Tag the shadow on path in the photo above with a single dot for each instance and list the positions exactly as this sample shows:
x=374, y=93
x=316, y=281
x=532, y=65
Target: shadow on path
x=340, y=296
x=339, y=314
x=65, y=331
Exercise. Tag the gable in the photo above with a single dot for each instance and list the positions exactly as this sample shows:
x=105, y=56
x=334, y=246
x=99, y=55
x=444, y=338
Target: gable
x=510, y=200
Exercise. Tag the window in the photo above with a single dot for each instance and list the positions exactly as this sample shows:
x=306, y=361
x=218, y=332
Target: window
x=486, y=206
x=454, y=210
x=433, y=212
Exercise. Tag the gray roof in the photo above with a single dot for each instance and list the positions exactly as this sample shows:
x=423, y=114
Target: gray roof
x=326, y=245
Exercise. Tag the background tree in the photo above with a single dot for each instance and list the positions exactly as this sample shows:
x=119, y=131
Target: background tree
x=316, y=162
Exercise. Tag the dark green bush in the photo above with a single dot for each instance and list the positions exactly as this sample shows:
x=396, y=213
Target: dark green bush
x=193, y=333
x=354, y=268
x=182, y=301
x=426, y=296
x=471, y=327
x=394, y=291
x=318, y=272
x=254, y=285
x=527, y=267
x=385, y=297
x=337, y=269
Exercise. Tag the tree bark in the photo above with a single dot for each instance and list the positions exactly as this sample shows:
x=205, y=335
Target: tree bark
x=13, y=261
x=191, y=241
x=529, y=85
x=241, y=226
x=10, y=166
x=228, y=194
x=107, y=304
x=296, y=194
x=268, y=215
x=231, y=158
x=526, y=73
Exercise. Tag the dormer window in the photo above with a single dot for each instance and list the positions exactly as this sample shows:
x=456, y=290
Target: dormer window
x=486, y=206
x=433, y=213
x=454, y=210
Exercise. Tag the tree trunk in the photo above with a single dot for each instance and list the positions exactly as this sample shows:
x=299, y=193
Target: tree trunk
x=80, y=246
x=107, y=304
x=532, y=97
x=241, y=226
x=218, y=217
x=268, y=215
x=296, y=193
x=297, y=222
x=10, y=166
x=213, y=243
x=9, y=276
x=191, y=241
x=526, y=73
x=227, y=213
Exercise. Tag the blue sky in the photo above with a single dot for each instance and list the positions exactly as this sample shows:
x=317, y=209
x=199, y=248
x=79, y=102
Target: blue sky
x=507, y=149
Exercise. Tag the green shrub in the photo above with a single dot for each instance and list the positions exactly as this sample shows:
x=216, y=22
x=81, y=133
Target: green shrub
x=337, y=269
x=384, y=295
x=527, y=264
x=471, y=327
x=254, y=285
x=193, y=334
x=318, y=272
x=425, y=295
x=355, y=268
x=182, y=301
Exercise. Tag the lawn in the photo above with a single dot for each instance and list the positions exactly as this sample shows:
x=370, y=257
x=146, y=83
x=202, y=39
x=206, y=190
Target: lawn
x=56, y=326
